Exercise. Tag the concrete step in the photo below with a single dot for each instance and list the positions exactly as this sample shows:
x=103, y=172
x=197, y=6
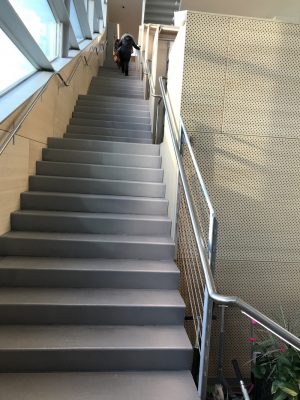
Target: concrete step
x=93, y=348
x=122, y=139
x=115, y=100
x=52, y=168
x=52, y=201
x=112, y=111
x=89, y=273
x=116, y=81
x=93, y=130
x=111, y=124
x=146, y=385
x=101, y=158
x=79, y=222
x=115, y=92
x=117, y=118
x=111, y=85
x=111, y=147
x=96, y=186
x=90, y=306
x=71, y=245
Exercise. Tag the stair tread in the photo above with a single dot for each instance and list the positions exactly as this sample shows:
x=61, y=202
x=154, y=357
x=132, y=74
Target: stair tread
x=105, y=166
x=95, y=179
x=85, y=337
x=95, y=237
x=94, y=196
x=97, y=264
x=90, y=297
x=110, y=216
x=146, y=385
x=89, y=152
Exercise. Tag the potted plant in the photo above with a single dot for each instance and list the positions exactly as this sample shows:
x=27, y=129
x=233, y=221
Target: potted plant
x=276, y=369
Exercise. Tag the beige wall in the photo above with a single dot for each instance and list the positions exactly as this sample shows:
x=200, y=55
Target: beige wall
x=287, y=10
x=128, y=17
x=49, y=117
x=240, y=103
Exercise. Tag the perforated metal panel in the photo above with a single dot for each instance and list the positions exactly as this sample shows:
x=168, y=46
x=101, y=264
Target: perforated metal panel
x=241, y=106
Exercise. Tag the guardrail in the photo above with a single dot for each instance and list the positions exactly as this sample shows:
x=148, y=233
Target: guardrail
x=207, y=256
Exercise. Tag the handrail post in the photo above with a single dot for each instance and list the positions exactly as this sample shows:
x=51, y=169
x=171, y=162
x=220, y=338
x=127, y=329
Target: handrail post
x=207, y=313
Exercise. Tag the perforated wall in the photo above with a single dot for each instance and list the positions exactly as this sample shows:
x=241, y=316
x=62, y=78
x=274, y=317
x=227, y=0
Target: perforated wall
x=241, y=106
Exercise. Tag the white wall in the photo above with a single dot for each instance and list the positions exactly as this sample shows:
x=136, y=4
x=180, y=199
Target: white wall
x=169, y=165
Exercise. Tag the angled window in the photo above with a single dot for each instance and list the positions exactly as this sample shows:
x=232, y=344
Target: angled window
x=14, y=66
x=40, y=22
x=75, y=22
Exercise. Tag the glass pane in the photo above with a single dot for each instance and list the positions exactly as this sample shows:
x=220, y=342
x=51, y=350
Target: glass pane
x=75, y=22
x=14, y=65
x=39, y=20
x=91, y=15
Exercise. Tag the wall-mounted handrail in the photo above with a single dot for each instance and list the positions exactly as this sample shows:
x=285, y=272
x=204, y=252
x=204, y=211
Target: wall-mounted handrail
x=24, y=114
x=245, y=308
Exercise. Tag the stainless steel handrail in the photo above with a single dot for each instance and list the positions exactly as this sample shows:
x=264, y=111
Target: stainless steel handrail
x=245, y=308
x=21, y=118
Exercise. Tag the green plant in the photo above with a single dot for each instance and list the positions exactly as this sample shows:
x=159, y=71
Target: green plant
x=279, y=366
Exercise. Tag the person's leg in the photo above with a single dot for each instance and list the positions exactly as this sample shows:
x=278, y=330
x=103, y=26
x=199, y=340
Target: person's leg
x=126, y=67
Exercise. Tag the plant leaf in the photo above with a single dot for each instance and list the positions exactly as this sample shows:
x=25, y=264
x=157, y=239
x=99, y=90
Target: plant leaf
x=280, y=396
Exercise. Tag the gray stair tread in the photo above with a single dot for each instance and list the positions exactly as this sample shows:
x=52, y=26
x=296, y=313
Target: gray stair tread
x=115, y=147
x=88, y=264
x=62, y=178
x=110, y=166
x=91, y=297
x=61, y=337
x=118, y=139
x=95, y=196
x=99, y=153
x=115, y=99
x=144, y=385
x=108, y=216
x=73, y=237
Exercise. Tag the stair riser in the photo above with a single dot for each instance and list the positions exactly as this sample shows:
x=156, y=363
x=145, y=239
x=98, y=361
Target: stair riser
x=64, y=224
x=88, y=279
x=115, y=103
x=114, y=93
x=95, y=360
x=112, y=111
x=85, y=249
x=108, y=138
x=116, y=83
x=126, y=88
x=89, y=130
x=98, y=172
x=77, y=185
x=105, y=147
x=110, y=124
x=85, y=204
x=101, y=158
x=109, y=99
x=116, y=118
x=90, y=315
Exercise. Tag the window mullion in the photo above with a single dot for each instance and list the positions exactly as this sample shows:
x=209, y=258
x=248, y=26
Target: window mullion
x=83, y=19
x=61, y=13
x=14, y=28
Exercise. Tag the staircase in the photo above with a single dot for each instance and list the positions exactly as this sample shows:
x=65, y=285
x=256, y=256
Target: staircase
x=160, y=11
x=89, y=305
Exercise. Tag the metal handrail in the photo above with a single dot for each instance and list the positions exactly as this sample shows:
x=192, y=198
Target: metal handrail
x=21, y=118
x=245, y=308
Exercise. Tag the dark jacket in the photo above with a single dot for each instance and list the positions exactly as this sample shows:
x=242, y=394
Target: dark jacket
x=125, y=46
